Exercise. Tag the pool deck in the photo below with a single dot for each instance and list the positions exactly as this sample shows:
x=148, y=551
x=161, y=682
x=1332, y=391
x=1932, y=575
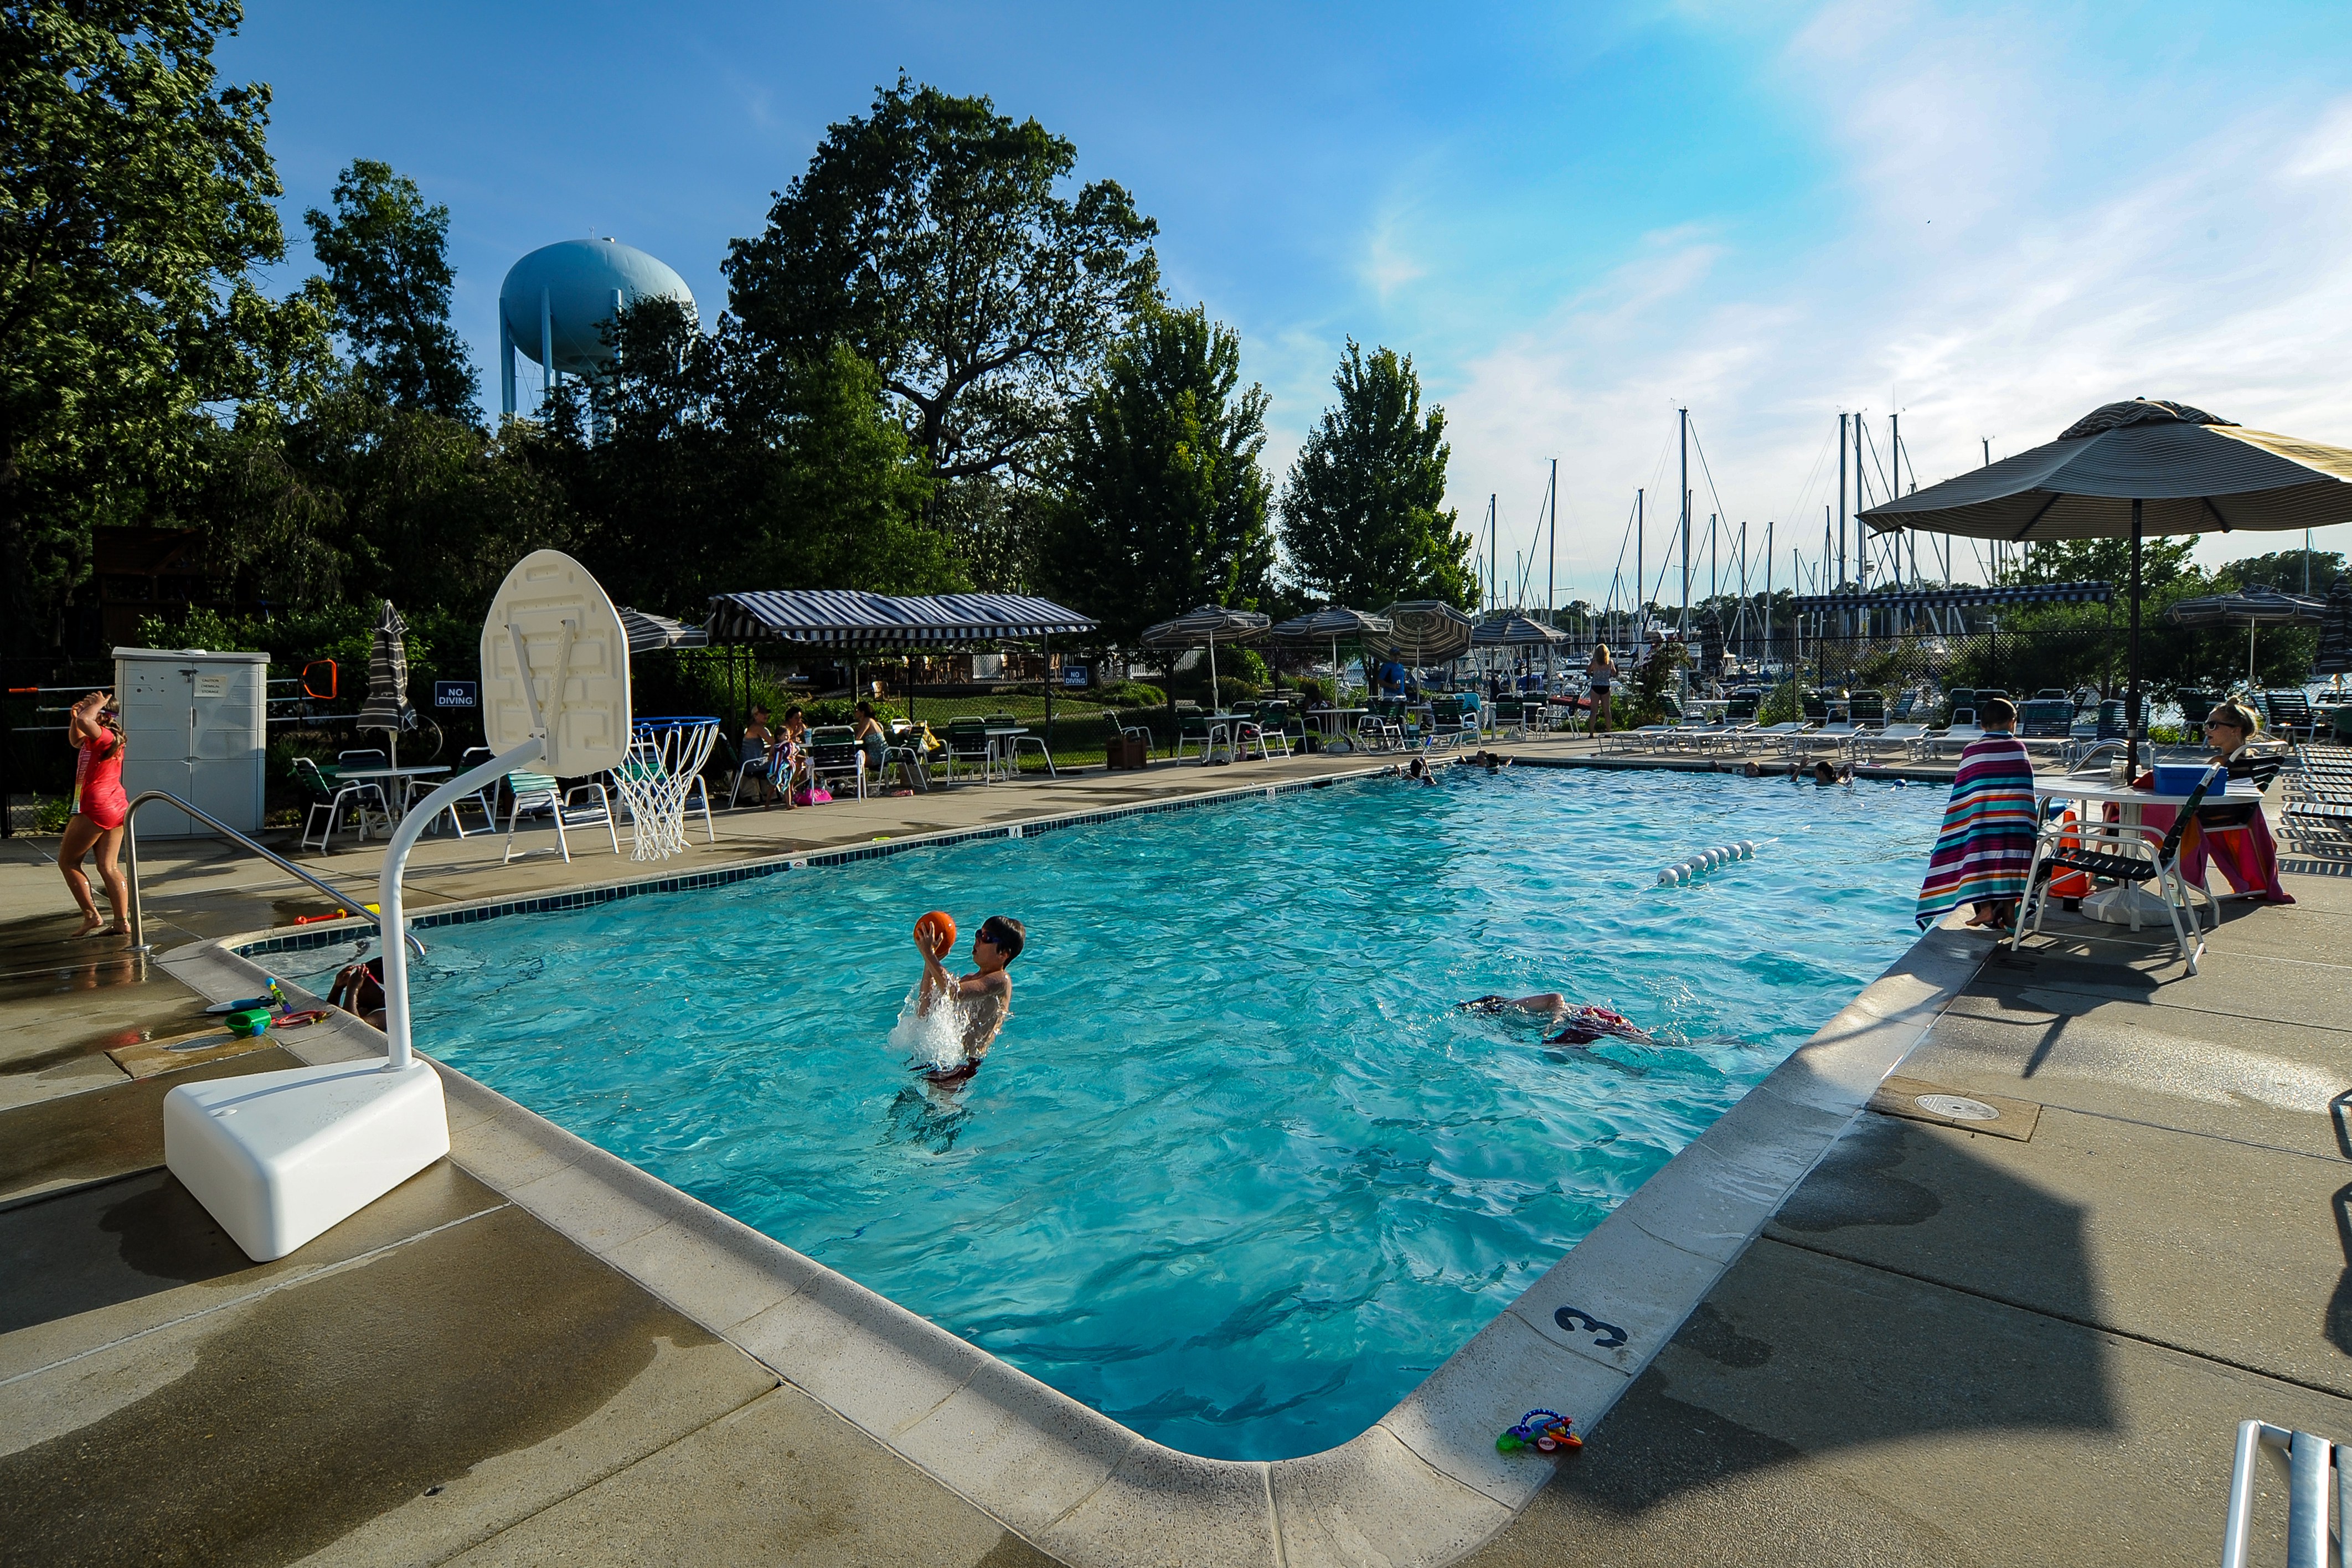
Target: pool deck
x=1945, y=1346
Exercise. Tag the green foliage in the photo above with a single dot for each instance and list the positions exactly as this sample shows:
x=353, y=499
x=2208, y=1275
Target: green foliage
x=1129, y=694
x=385, y=253
x=1645, y=698
x=1361, y=513
x=1161, y=503
x=1781, y=705
x=136, y=198
x=930, y=236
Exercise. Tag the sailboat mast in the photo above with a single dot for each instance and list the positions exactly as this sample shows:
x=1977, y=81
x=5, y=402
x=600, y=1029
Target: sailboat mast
x=1683, y=424
x=1551, y=562
x=1841, y=509
x=1641, y=583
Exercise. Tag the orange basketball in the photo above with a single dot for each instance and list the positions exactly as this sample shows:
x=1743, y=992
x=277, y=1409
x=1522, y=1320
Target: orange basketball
x=937, y=931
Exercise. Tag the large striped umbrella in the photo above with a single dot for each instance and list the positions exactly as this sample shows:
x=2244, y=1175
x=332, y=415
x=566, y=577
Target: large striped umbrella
x=387, y=693
x=1424, y=632
x=2255, y=607
x=1509, y=628
x=2336, y=629
x=1206, y=627
x=2129, y=469
x=1330, y=623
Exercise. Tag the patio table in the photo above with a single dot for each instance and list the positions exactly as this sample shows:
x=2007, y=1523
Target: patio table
x=2128, y=904
x=397, y=799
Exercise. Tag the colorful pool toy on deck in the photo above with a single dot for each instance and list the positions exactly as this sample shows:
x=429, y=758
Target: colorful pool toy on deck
x=1556, y=1435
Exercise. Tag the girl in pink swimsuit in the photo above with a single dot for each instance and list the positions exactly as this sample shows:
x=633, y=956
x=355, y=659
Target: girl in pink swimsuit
x=99, y=809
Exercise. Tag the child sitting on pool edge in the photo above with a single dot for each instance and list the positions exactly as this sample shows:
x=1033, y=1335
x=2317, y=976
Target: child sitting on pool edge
x=983, y=999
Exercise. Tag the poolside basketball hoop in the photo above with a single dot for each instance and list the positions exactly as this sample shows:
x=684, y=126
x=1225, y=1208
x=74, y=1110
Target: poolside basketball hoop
x=280, y=1157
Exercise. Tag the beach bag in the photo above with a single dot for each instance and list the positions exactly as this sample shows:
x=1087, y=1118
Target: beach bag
x=810, y=795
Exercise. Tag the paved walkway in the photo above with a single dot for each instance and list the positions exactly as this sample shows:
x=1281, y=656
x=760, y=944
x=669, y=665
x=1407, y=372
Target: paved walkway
x=1950, y=1346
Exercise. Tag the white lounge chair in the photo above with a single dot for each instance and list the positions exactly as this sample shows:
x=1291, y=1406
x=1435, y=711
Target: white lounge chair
x=536, y=793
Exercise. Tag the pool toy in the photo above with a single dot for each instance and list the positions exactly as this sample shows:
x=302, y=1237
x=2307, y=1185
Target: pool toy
x=1556, y=1435
x=247, y=1021
x=937, y=930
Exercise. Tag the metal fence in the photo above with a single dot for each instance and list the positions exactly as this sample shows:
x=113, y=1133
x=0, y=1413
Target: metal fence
x=37, y=766
x=2017, y=663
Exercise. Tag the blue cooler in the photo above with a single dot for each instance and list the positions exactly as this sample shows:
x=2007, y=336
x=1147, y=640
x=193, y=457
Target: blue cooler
x=2179, y=778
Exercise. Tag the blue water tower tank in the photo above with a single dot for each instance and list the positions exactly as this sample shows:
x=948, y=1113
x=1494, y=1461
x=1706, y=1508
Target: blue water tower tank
x=555, y=300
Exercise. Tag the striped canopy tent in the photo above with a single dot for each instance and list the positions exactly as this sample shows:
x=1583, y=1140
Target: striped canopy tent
x=649, y=633
x=1961, y=598
x=2256, y=606
x=1333, y=624
x=2336, y=629
x=1205, y=627
x=387, y=692
x=845, y=620
x=2129, y=469
x=1424, y=632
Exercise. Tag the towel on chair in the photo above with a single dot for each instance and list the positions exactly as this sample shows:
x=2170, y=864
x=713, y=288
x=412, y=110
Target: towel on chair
x=1986, y=849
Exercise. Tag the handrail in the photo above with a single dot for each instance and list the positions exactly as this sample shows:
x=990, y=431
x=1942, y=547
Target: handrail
x=131, y=847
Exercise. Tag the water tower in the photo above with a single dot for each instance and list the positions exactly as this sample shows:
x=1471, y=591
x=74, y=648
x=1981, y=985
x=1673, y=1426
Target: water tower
x=555, y=300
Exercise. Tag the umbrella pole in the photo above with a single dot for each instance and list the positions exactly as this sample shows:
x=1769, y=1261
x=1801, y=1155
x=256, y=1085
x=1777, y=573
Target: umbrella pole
x=2131, y=691
x=2250, y=656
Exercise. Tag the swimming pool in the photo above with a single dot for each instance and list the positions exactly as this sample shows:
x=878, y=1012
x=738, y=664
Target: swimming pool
x=1237, y=1175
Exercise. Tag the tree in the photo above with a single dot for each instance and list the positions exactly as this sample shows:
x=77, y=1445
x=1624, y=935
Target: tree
x=136, y=195
x=385, y=253
x=1361, y=518
x=929, y=236
x=1162, y=504
x=720, y=464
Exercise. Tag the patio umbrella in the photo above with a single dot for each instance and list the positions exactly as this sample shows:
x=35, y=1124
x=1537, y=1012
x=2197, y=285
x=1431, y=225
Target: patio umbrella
x=1330, y=623
x=1206, y=626
x=2334, y=656
x=649, y=633
x=387, y=692
x=1424, y=632
x=2129, y=469
x=2256, y=606
x=1509, y=628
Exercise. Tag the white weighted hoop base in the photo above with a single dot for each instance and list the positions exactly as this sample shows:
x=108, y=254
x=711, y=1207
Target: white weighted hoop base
x=280, y=1157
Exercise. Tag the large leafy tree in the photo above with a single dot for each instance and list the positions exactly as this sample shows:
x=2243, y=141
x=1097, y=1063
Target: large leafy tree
x=1364, y=519
x=718, y=463
x=386, y=257
x=1161, y=503
x=136, y=195
x=932, y=236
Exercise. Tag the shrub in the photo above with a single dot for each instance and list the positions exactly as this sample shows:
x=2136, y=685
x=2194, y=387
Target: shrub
x=1781, y=705
x=1132, y=694
x=831, y=711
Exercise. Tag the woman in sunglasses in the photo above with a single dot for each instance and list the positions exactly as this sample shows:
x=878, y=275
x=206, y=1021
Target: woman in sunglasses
x=2232, y=834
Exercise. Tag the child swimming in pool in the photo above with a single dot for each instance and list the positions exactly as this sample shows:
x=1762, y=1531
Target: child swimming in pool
x=983, y=999
x=1582, y=1026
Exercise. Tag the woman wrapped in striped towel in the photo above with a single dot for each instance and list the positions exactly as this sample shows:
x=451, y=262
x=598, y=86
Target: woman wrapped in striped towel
x=1986, y=849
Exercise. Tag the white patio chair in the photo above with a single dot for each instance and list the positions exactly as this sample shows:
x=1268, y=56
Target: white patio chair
x=536, y=793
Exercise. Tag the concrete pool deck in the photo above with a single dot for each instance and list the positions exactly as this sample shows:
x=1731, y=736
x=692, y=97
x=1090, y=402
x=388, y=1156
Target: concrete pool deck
x=657, y=1427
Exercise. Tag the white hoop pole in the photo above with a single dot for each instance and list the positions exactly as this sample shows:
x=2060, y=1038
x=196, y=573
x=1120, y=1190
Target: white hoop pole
x=393, y=926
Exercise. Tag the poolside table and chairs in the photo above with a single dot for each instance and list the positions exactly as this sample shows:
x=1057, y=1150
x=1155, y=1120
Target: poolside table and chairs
x=2129, y=904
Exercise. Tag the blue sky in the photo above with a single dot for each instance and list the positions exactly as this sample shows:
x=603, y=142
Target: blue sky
x=1990, y=218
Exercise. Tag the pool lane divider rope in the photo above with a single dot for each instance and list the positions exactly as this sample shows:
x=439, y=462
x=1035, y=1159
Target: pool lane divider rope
x=1687, y=870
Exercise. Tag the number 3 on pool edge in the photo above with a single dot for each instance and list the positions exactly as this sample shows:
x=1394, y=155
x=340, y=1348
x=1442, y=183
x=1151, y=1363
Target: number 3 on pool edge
x=1606, y=1336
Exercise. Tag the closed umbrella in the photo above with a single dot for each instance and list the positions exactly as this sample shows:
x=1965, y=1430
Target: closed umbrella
x=387, y=692
x=2253, y=607
x=2129, y=469
x=2334, y=656
x=1205, y=627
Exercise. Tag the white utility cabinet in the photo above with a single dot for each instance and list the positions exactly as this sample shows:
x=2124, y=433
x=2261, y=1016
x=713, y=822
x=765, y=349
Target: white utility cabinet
x=194, y=723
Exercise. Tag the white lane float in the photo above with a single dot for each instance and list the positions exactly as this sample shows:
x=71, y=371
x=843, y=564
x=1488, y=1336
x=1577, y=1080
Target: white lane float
x=1705, y=860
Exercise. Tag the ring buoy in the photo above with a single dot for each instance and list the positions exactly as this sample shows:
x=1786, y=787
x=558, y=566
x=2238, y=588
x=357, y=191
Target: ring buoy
x=2070, y=884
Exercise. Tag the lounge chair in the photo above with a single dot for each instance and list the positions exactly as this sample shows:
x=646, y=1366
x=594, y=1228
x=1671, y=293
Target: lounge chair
x=969, y=746
x=1451, y=723
x=535, y=793
x=2123, y=852
x=835, y=753
x=1930, y=747
x=2046, y=726
x=2291, y=715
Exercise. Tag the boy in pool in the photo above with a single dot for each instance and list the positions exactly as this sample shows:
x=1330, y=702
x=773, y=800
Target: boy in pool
x=983, y=999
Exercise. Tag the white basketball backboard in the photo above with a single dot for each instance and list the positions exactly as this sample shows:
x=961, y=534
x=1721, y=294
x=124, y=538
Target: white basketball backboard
x=578, y=669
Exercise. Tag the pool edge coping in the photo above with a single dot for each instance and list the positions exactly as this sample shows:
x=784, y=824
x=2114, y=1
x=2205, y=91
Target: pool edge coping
x=1423, y=1483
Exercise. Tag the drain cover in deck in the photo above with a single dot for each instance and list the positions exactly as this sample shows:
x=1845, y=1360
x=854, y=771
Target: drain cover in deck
x=1991, y=1113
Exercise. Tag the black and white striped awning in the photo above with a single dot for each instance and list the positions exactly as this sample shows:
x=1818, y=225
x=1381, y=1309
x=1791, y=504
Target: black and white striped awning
x=845, y=618
x=1959, y=598
x=649, y=633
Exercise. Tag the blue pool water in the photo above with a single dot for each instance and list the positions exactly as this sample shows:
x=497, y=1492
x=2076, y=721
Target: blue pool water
x=1236, y=1173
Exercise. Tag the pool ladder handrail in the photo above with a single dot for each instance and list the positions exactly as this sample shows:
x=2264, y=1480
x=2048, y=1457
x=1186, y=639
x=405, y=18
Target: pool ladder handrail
x=138, y=943
x=2309, y=1460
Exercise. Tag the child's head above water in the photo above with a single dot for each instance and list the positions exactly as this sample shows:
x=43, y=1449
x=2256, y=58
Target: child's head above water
x=1003, y=935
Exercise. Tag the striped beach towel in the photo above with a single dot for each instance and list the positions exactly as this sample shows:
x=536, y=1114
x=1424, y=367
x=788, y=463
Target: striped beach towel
x=1986, y=849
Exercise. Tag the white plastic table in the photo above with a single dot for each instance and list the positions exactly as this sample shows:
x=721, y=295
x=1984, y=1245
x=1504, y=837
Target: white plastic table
x=1334, y=723
x=397, y=799
x=2129, y=904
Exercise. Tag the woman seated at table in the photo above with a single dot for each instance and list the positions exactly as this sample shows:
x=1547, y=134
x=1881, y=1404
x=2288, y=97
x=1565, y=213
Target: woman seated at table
x=873, y=740
x=2232, y=835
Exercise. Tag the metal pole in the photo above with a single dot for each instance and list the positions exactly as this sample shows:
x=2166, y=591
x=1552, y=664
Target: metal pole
x=395, y=860
x=1683, y=424
x=2131, y=692
x=1639, y=582
x=1841, y=511
x=1049, y=693
x=1551, y=563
